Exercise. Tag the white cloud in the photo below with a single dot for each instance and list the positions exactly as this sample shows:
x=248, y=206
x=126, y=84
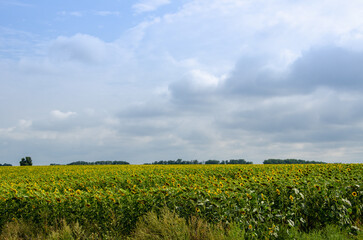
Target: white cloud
x=204, y=79
x=72, y=13
x=16, y=3
x=62, y=115
x=107, y=13
x=85, y=49
x=103, y=13
x=149, y=5
x=25, y=123
x=79, y=47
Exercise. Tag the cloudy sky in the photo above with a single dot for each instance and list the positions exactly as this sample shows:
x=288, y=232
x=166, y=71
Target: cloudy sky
x=151, y=80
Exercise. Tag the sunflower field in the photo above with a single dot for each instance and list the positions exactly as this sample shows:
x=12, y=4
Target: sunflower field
x=263, y=199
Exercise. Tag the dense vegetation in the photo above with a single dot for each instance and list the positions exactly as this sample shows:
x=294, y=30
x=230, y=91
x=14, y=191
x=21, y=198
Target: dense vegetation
x=263, y=201
x=27, y=161
x=180, y=161
x=98, y=163
x=5, y=164
x=173, y=162
x=290, y=161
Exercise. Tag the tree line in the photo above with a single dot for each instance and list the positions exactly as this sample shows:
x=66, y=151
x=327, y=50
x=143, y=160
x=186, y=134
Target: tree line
x=231, y=161
x=99, y=163
x=290, y=161
x=181, y=161
x=27, y=161
x=5, y=165
x=235, y=161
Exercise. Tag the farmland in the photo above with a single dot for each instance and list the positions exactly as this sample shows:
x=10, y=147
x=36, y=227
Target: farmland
x=265, y=200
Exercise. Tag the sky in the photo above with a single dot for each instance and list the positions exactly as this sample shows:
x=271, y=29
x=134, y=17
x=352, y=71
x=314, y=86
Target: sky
x=149, y=80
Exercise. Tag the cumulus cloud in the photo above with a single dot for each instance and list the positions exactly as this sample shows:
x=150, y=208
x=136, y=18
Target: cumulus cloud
x=62, y=115
x=330, y=67
x=315, y=100
x=327, y=67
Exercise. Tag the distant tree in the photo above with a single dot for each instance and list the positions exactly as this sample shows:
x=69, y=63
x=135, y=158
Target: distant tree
x=290, y=161
x=79, y=163
x=120, y=163
x=238, y=161
x=99, y=163
x=27, y=161
x=5, y=165
x=212, y=162
x=178, y=161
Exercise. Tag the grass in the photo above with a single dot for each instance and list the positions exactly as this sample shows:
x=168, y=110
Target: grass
x=163, y=226
x=170, y=226
x=330, y=232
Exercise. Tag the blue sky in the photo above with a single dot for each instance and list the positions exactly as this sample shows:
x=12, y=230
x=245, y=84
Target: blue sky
x=151, y=80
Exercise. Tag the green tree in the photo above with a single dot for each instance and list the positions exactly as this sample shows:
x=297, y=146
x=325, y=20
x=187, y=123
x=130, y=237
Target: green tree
x=5, y=164
x=212, y=162
x=27, y=161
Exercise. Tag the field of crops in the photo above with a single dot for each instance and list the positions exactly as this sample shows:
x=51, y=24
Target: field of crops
x=263, y=199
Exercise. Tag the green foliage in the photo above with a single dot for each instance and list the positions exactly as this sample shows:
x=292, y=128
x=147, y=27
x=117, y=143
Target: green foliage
x=266, y=201
x=290, y=161
x=98, y=163
x=165, y=225
x=173, y=162
x=330, y=232
x=237, y=161
x=27, y=161
x=212, y=162
x=180, y=161
x=5, y=165
x=168, y=225
x=22, y=230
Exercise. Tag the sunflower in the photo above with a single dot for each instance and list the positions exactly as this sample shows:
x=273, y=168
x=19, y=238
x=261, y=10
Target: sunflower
x=354, y=194
x=249, y=196
x=291, y=198
x=250, y=226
